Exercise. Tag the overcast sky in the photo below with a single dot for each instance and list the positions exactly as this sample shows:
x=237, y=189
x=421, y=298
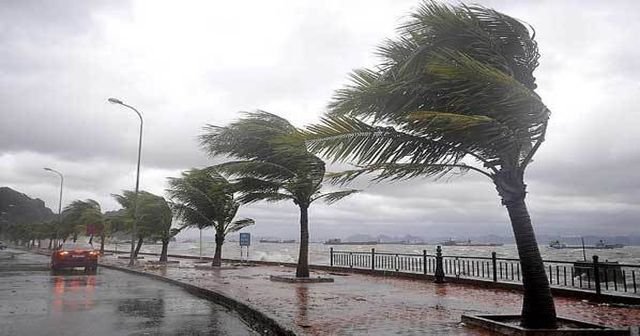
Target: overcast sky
x=188, y=63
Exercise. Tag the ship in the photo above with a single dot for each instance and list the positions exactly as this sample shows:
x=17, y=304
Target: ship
x=278, y=241
x=600, y=245
x=337, y=241
x=452, y=242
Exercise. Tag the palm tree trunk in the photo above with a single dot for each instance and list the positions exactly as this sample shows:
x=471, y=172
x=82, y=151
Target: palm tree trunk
x=135, y=253
x=302, y=271
x=217, y=257
x=538, y=309
x=102, y=244
x=165, y=247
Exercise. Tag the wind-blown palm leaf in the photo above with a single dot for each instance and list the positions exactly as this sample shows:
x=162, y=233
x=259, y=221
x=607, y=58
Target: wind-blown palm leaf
x=332, y=197
x=399, y=171
x=344, y=137
x=252, y=197
x=239, y=225
x=191, y=216
x=259, y=169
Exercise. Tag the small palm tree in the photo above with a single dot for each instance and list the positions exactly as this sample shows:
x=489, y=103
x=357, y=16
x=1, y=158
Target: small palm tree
x=203, y=198
x=78, y=215
x=273, y=164
x=154, y=217
x=454, y=93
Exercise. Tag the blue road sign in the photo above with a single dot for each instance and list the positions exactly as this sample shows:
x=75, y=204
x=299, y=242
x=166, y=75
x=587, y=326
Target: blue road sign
x=245, y=239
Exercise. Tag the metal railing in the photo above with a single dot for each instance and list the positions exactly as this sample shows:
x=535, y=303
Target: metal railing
x=595, y=275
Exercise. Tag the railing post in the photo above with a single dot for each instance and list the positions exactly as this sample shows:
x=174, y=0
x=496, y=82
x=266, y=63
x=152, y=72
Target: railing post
x=373, y=259
x=331, y=256
x=439, y=274
x=596, y=274
x=494, y=262
x=396, y=262
x=424, y=261
x=350, y=260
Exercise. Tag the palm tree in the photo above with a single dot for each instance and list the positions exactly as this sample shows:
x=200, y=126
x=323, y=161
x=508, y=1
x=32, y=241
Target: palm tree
x=78, y=215
x=203, y=198
x=154, y=217
x=273, y=164
x=453, y=93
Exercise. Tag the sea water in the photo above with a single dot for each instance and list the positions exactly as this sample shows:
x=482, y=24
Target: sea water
x=319, y=252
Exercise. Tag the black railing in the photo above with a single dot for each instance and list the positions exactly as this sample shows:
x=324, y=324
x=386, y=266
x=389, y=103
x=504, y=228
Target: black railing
x=593, y=275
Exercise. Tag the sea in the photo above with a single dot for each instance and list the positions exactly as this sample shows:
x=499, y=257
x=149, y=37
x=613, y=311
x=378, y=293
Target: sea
x=319, y=252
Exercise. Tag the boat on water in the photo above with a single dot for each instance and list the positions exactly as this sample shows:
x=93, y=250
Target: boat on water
x=452, y=242
x=278, y=241
x=601, y=245
x=340, y=242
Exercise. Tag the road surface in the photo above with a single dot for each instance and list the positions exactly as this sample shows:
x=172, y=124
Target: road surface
x=33, y=301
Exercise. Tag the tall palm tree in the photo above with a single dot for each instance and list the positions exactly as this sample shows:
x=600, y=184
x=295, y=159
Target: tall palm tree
x=453, y=93
x=273, y=164
x=203, y=198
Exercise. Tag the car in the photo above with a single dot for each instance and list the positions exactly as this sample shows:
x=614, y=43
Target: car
x=72, y=255
x=3, y=245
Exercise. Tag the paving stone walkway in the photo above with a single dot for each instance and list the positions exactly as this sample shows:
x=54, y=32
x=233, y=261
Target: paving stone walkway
x=358, y=304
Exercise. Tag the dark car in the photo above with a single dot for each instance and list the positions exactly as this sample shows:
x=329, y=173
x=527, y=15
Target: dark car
x=2, y=246
x=72, y=255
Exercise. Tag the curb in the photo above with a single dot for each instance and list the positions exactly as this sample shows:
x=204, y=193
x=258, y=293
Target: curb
x=259, y=321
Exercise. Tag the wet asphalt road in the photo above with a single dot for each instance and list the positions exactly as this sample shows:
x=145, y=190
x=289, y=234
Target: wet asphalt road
x=35, y=302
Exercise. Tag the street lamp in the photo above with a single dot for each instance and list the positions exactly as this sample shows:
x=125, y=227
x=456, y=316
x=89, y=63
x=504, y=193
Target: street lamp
x=135, y=200
x=59, y=201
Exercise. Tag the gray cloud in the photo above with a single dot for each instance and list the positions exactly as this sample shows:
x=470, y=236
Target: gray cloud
x=185, y=65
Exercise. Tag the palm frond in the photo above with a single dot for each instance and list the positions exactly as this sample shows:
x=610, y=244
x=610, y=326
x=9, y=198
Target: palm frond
x=332, y=197
x=342, y=137
x=239, y=225
x=401, y=171
x=252, y=197
x=258, y=169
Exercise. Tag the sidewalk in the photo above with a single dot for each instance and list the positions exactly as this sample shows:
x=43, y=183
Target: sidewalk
x=366, y=305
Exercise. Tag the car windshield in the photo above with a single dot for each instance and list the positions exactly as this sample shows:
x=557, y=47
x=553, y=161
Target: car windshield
x=76, y=246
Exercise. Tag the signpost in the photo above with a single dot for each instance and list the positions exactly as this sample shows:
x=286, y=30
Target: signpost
x=245, y=240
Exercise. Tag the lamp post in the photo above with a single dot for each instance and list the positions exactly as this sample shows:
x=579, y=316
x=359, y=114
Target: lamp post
x=135, y=200
x=59, y=202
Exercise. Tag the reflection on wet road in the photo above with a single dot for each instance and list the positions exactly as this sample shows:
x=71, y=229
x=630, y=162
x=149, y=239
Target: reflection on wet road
x=35, y=302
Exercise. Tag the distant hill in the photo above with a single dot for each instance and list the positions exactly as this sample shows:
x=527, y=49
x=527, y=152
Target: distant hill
x=16, y=207
x=543, y=239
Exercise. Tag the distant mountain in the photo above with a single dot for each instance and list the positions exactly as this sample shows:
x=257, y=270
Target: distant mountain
x=543, y=239
x=360, y=238
x=16, y=207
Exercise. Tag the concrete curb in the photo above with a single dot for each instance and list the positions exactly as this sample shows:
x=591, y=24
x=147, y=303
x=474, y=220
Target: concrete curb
x=258, y=320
